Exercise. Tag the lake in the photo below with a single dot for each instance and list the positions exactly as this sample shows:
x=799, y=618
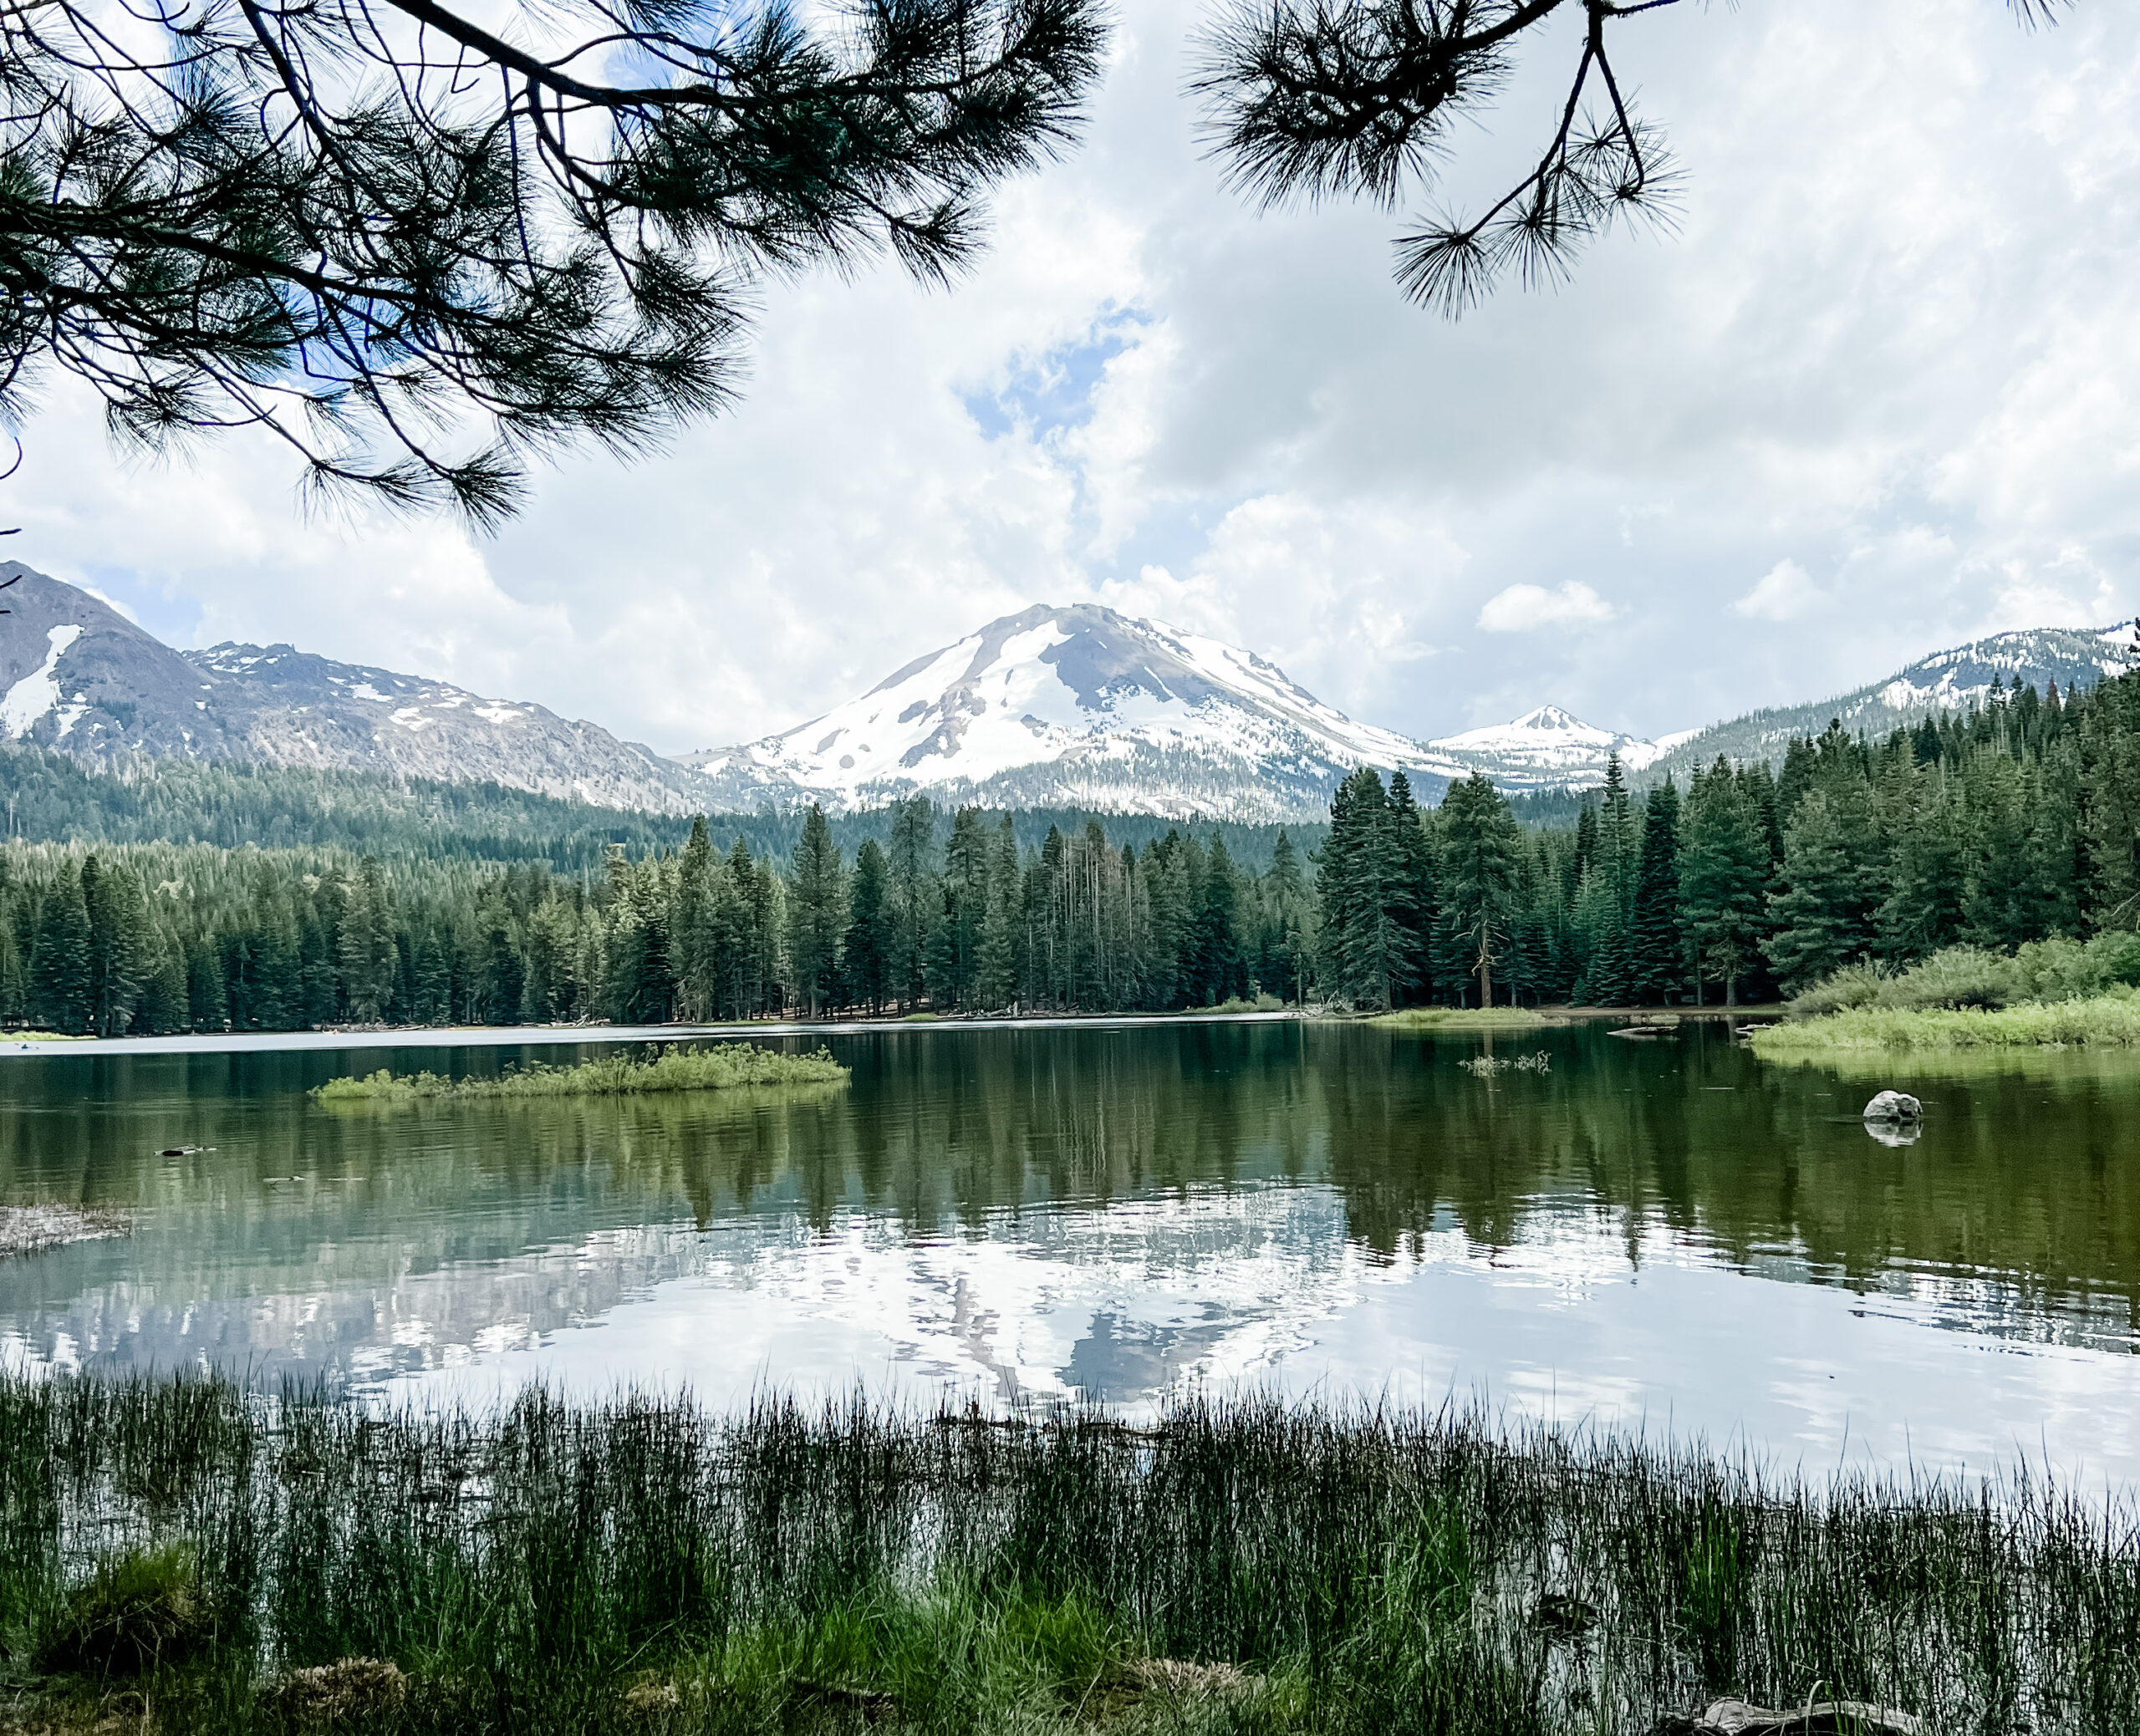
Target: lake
x=1665, y=1234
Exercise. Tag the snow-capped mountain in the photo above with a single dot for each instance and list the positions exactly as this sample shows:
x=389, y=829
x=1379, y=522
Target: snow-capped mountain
x=1949, y=681
x=1551, y=747
x=77, y=676
x=1077, y=707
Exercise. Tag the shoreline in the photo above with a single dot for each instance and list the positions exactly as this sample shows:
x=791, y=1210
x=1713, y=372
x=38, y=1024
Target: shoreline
x=807, y=1569
x=2107, y=1023
x=489, y=1036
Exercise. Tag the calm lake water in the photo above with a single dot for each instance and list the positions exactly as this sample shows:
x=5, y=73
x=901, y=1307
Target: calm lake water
x=1668, y=1235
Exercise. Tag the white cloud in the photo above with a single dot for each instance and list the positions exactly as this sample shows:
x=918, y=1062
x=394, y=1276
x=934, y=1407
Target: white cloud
x=1784, y=592
x=1531, y=608
x=1898, y=334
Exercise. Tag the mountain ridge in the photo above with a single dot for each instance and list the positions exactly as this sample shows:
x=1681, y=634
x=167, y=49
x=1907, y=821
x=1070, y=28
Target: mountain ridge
x=1077, y=707
x=77, y=676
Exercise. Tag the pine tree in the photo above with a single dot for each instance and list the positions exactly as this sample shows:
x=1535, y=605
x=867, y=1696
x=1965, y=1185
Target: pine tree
x=1412, y=887
x=1820, y=918
x=915, y=898
x=818, y=910
x=1609, y=936
x=691, y=932
x=365, y=944
x=1368, y=958
x=1724, y=873
x=866, y=952
x=997, y=971
x=1222, y=971
x=59, y=961
x=1480, y=843
x=1658, y=947
x=1286, y=898
x=118, y=944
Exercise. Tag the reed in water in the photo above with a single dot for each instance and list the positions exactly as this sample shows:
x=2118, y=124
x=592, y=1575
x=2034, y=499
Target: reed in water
x=199, y=1557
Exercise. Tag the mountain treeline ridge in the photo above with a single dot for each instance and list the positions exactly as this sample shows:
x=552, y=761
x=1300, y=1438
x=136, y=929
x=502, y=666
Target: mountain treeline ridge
x=2016, y=821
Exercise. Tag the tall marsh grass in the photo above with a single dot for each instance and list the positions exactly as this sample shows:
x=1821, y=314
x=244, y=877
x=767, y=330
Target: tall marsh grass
x=719, y=1067
x=639, y=1564
x=2102, y=1021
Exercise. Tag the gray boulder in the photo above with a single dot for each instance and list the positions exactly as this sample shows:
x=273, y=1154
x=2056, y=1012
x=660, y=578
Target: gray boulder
x=1894, y=1106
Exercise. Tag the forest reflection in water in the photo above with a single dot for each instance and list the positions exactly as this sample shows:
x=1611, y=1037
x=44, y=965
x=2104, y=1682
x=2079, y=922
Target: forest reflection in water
x=1100, y=1208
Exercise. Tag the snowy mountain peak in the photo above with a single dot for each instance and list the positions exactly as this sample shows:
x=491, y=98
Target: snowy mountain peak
x=1552, y=717
x=1549, y=744
x=1078, y=706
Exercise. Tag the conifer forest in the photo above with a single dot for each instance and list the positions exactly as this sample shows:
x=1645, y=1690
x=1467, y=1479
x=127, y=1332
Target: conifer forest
x=2012, y=822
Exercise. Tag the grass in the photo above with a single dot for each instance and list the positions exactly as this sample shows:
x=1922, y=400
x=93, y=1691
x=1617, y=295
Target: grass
x=42, y=1036
x=33, y=1229
x=673, y=1068
x=641, y=1566
x=1240, y=1004
x=2099, y=1022
x=1459, y=1018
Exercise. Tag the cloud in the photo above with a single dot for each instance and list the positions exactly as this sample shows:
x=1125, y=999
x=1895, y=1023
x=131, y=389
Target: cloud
x=1784, y=592
x=1531, y=608
x=1896, y=333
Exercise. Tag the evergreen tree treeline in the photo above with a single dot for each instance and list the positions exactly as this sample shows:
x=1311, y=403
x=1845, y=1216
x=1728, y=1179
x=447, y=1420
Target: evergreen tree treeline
x=2015, y=822
x=157, y=938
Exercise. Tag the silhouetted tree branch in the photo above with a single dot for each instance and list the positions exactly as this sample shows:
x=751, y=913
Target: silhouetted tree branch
x=1318, y=98
x=423, y=249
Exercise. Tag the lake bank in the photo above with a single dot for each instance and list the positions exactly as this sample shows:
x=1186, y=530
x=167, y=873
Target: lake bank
x=631, y=1565
x=16, y=1046
x=2106, y=1021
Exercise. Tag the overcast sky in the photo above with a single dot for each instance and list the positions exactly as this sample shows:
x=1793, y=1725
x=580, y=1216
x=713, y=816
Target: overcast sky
x=1880, y=394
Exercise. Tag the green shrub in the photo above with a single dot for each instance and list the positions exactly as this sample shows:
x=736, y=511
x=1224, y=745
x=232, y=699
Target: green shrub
x=1858, y=985
x=140, y=1610
x=2106, y=1021
x=1962, y=978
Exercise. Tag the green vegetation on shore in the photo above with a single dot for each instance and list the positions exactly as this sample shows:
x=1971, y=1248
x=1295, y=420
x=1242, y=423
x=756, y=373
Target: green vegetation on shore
x=2049, y=993
x=2105, y=1021
x=242, y=1564
x=717, y=1068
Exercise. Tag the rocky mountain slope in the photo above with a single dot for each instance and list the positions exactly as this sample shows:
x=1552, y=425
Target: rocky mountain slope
x=77, y=676
x=1945, y=681
x=1078, y=707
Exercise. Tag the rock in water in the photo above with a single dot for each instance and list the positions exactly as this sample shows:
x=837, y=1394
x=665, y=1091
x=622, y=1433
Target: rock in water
x=1894, y=1106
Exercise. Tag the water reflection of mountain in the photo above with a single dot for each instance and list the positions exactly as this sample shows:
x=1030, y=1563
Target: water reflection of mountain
x=1166, y=1195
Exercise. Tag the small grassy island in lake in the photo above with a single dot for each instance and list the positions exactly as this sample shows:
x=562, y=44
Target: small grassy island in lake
x=675, y=1068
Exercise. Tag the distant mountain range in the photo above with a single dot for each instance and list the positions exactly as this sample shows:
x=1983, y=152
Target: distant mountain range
x=1078, y=707
x=77, y=676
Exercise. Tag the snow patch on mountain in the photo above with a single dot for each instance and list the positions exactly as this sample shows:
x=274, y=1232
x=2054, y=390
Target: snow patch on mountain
x=38, y=692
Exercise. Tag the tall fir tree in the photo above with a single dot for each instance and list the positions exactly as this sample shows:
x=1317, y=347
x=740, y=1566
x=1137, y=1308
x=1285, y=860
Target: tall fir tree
x=818, y=911
x=867, y=951
x=59, y=958
x=1724, y=873
x=1658, y=948
x=1480, y=843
